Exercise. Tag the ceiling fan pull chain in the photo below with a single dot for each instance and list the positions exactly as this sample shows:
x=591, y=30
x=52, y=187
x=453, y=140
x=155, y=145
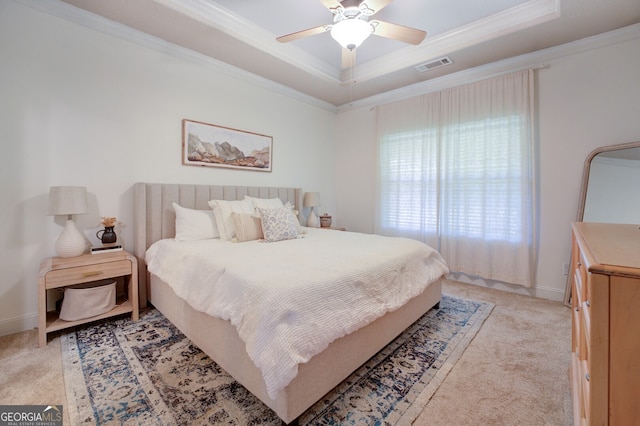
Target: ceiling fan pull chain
x=352, y=80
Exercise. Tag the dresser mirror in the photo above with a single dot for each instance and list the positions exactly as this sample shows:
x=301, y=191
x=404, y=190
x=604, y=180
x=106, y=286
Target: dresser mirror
x=610, y=191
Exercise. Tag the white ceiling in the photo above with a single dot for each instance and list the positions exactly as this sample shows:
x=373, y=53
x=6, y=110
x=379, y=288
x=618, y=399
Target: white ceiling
x=471, y=32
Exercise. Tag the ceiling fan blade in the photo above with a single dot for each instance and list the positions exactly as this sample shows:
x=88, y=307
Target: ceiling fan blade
x=348, y=58
x=398, y=32
x=304, y=33
x=375, y=5
x=331, y=4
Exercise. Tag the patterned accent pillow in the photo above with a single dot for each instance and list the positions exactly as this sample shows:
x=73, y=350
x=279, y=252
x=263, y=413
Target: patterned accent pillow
x=277, y=224
x=248, y=227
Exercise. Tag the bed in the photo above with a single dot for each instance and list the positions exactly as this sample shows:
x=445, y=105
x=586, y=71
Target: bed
x=155, y=223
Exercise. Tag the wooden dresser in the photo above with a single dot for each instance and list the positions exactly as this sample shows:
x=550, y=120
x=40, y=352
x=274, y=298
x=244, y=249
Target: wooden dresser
x=605, y=298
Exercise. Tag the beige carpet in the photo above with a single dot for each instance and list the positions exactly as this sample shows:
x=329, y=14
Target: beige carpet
x=515, y=372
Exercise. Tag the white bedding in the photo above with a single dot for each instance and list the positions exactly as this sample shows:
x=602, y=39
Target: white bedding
x=290, y=299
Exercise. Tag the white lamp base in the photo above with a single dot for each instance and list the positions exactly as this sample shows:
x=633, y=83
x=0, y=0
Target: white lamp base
x=71, y=242
x=313, y=221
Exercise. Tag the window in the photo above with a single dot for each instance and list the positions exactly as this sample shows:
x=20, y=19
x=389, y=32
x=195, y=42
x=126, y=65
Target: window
x=409, y=200
x=455, y=171
x=483, y=180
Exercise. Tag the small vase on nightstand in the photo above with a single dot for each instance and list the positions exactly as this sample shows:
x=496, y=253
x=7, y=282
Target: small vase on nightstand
x=325, y=221
x=108, y=235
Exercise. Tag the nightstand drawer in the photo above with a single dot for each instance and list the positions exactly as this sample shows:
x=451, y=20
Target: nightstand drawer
x=83, y=274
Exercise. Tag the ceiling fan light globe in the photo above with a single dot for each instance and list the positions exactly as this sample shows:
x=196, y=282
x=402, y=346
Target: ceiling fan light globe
x=350, y=33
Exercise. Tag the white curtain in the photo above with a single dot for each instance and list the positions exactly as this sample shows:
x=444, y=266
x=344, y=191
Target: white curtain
x=456, y=171
x=408, y=201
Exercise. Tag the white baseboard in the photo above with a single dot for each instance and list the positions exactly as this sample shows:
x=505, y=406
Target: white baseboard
x=549, y=293
x=18, y=324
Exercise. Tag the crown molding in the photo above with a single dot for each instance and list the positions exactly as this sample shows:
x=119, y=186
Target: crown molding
x=246, y=31
x=514, y=19
x=89, y=20
x=535, y=60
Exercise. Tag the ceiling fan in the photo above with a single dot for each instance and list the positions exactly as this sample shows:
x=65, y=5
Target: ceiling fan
x=351, y=26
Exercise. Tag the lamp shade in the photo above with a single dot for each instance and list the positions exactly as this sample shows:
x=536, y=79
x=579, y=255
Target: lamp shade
x=351, y=32
x=311, y=199
x=67, y=200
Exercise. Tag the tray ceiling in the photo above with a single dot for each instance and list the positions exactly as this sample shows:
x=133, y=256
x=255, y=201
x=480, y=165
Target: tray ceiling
x=470, y=33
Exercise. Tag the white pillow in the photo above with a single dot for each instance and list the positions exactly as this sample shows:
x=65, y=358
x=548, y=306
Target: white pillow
x=194, y=224
x=222, y=210
x=248, y=227
x=277, y=224
x=265, y=203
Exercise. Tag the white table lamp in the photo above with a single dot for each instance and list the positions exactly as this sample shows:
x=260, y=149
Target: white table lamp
x=312, y=200
x=67, y=201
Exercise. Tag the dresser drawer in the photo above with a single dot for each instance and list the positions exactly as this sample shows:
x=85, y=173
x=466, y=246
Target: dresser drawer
x=83, y=274
x=576, y=331
x=579, y=339
x=585, y=334
x=582, y=279
x=577, y=395
x=585, y=390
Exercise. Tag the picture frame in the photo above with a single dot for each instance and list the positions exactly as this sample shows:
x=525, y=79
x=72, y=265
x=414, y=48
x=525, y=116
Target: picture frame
x=211, y=145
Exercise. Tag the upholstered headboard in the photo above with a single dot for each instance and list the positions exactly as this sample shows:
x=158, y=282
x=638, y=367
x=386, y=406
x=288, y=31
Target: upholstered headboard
x=154, y=218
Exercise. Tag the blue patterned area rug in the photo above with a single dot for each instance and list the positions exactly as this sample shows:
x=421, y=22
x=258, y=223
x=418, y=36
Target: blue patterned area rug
x=148, y=372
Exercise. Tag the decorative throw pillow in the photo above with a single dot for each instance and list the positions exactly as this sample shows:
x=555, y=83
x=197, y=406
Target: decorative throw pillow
x=222, y=210
x=277, y=224
x=194, y=224
x=248, y=227
x=276, y=203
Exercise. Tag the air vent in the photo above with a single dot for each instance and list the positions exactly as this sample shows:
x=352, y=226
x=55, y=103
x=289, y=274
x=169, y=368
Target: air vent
x=428, y=66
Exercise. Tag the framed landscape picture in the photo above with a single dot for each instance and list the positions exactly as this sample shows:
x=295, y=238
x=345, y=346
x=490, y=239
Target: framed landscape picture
x=210, y=145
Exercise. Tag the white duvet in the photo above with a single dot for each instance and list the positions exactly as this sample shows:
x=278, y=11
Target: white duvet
x=290, y=299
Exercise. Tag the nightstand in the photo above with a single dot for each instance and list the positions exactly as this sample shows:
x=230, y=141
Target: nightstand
x=339, y=228
x=59, y=272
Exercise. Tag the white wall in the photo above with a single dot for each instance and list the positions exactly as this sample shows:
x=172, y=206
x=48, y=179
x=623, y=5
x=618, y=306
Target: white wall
x=585, y=99
x=83, y=107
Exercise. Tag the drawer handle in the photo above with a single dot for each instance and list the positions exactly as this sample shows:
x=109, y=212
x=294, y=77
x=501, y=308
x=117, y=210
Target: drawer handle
x=92, y=274
x=577, y=309
x=586, y=376
x=588, y=303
